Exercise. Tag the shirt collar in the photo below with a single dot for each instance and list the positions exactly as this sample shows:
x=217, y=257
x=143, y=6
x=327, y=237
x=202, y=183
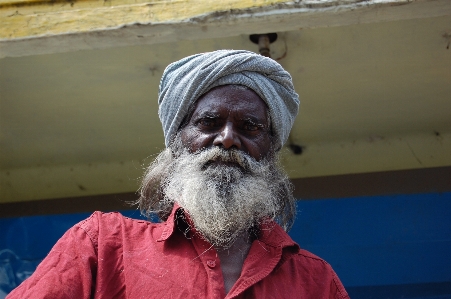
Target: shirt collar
x=271, y=233
x=169, y=224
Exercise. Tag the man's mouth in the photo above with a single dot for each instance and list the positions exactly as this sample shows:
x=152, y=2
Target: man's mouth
x=219, y=162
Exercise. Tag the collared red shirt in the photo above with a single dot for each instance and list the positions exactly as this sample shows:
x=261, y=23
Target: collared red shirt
x=111, y=256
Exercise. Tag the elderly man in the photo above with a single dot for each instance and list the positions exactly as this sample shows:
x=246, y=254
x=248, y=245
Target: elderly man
x=225, y=202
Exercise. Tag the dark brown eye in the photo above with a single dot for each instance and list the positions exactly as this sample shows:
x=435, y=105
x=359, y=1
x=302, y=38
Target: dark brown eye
x=207, y=122
x=251, y=127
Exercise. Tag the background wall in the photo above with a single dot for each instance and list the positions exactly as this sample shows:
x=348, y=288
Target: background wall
x=392, y=246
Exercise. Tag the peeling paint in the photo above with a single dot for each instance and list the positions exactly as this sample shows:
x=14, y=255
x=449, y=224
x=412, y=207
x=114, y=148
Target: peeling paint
x=91, y=15
x=92, y=24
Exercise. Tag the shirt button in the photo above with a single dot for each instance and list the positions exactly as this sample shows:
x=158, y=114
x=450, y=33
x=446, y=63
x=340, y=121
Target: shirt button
x=211, y=263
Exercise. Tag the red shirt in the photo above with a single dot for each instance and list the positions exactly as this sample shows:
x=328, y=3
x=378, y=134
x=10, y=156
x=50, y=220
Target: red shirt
x=112, y=256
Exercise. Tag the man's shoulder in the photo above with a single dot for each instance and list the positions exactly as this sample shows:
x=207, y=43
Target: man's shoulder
x=310, y=268
x=310, y=256
x=293, y=252
x=307, y=262
x=114, y=225
x=113, y=219
x=307, y=257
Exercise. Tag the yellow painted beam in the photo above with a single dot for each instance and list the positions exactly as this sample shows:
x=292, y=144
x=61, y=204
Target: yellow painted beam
x=32, y=27
x=32, y=18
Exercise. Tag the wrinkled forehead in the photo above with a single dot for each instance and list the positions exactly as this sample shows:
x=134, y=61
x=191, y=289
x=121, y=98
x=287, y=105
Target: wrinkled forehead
x=225, y=89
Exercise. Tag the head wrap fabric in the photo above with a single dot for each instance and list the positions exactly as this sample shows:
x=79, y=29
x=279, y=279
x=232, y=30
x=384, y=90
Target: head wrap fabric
x=184, y=81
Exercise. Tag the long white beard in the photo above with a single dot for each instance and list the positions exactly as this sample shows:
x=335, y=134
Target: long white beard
x=223, y=201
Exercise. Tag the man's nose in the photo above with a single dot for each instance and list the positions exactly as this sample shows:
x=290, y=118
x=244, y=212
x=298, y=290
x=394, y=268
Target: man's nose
x=227, y=137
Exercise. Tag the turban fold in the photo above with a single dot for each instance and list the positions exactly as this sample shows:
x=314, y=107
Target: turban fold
x=184, y=81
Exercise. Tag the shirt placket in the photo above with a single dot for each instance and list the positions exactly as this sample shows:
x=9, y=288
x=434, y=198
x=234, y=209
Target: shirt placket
x=260, y=262
x=209, y=258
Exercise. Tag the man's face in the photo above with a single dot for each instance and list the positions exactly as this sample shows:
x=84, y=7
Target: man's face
x=222, y=169
x=230, y=117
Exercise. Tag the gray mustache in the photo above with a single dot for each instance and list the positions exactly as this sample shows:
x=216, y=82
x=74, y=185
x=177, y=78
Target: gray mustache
x=233, y=156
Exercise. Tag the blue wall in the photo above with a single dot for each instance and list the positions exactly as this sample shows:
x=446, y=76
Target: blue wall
x=380, y=246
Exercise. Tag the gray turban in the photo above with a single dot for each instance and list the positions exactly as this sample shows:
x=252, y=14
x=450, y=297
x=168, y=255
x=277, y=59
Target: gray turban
x=184, y=81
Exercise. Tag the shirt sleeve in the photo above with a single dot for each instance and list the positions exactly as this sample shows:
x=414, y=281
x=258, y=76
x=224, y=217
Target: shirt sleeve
x=337, y=290
x=68, y=271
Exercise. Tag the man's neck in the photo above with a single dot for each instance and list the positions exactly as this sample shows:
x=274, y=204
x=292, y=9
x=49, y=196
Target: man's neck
x=232, y=260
